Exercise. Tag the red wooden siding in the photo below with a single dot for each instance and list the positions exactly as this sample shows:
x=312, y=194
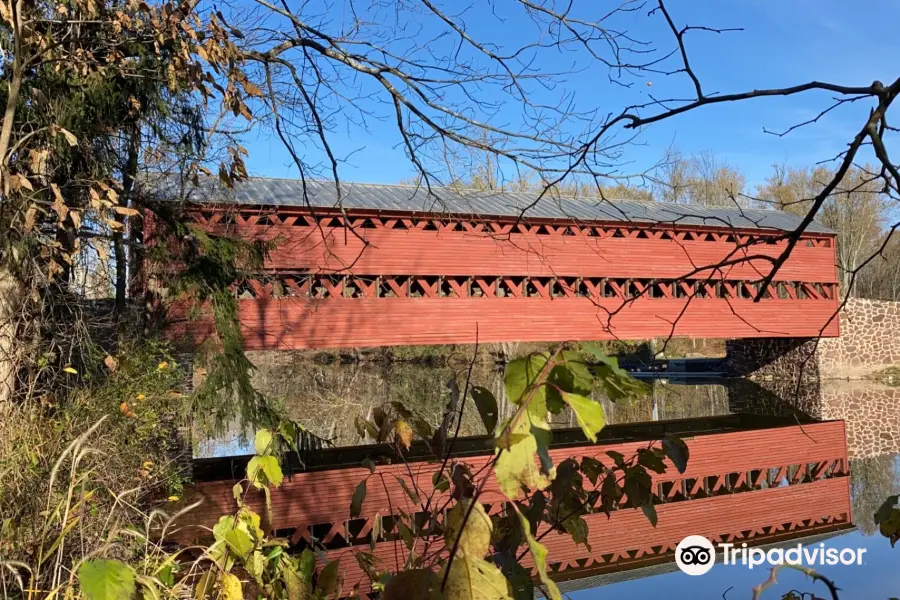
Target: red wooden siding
x=291, y=323
x=523, y=249
x=628, y=540
x=728, y=492
x=406, y=279
x=299, y=500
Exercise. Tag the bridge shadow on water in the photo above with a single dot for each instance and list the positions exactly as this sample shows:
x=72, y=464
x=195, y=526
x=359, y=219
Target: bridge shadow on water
x=771, y=463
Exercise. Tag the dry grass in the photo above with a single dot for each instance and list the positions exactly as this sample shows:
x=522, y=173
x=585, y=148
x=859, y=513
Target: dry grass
x=43, y=497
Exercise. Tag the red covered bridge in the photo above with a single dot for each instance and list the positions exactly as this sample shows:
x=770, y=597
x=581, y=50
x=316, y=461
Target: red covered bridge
x=392, y=264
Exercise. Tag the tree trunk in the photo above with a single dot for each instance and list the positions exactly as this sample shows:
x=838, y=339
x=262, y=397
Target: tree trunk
x=120, y=250
x=10, y=299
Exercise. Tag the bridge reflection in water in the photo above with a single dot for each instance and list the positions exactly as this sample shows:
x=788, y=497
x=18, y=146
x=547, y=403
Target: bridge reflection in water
x=759, y=479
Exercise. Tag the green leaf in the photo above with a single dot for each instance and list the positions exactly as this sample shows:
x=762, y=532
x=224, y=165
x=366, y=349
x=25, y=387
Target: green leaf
x=638, y=486
x=473, y=578
x=407, y=535
x=651, y=460
x=205, y=585
x=263, y=471
x=884, y=511
x=423, y=428
x=289, y=432
x=166, y=575
x=367, y=562
x=594, y=349
x=356, y=502
x=440, y=482
x=487, y=408
x=542, y=442
x=592, y=468
x=297, y=589
x=263, y=442
x=149, y=589
x=610, y=491
x=417, y=584
x=650, y=512
x=522, y=373
x=251, y=521
x=239, y=541
x=888, y=519
x=506, y=439
x=102, y=579
x=677, y=451
x=616, y=381
x=617, y=457
x=238, y=532
x=412, y=495
x=307, y=565
x=328, y=579
x=539, y=553
x=535, y=512
x=589, y=413
x=402, y=411
x=468, y=521
x=578, y=528
x=890, y=527
x=573, y=377
x=518, y=577
x=256, y=565
x=380, y=417
x=364, y=426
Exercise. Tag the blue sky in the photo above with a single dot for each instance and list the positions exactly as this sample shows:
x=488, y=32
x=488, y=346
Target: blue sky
x=783, y=43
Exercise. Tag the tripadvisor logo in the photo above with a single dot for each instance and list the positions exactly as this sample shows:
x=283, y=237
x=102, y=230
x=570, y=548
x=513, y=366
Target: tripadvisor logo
x=696, y=555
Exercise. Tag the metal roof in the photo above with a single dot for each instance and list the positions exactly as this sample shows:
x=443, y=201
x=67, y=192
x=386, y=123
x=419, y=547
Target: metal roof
x=446, y=201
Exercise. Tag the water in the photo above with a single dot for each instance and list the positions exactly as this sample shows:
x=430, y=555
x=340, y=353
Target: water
x=327, y=398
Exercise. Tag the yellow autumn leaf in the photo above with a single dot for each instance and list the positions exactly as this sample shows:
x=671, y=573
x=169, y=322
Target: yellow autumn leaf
x=539, y=553
x=173, y=498
x=403, y=433
x=472, y=525
x=473, y=578
x=162, y=366
x=516, y=466
x=70, y=370
x=231, y=587
x=70, y=137
x=589, y=413
x=140, y=397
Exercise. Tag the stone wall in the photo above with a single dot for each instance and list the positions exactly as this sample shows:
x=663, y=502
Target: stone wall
x=869, y=342
x=789, y=359
x=870, y=409
x=871, y=413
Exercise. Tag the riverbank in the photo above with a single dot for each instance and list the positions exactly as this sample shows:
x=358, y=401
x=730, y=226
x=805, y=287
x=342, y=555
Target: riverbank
x=643, y=352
